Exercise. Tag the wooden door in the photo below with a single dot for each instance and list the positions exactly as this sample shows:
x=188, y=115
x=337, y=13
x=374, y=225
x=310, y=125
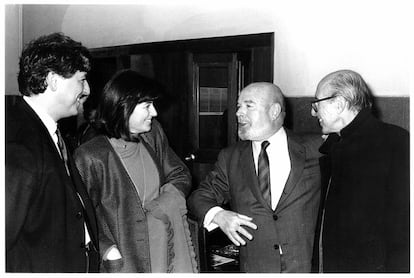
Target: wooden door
x=215, y=80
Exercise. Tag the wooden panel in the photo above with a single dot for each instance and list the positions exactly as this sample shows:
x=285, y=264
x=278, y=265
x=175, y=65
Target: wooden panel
x=394, y=110
x=262, y=66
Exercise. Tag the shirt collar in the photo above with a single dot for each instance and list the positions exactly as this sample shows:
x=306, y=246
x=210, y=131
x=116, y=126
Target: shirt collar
x=352, y=127
x=46, y=119
x=277, y=139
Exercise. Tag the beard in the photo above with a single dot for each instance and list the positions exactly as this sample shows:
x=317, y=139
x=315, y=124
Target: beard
x=255, y=133
x=243, y=133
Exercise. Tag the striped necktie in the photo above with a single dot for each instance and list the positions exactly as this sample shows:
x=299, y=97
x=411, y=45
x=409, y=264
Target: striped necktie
x=264, y=173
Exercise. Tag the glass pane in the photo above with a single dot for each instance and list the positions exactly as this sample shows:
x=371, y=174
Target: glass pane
x=213, y=97
x=213, y=100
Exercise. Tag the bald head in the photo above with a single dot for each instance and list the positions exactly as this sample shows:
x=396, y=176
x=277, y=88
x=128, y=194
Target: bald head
x=268, y=91
x=261, y=111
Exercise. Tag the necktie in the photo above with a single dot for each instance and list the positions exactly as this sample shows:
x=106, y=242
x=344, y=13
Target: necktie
x=63, y=150
x=264, y=173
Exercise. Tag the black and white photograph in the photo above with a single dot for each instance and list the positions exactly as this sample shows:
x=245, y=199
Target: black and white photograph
x=206, y=137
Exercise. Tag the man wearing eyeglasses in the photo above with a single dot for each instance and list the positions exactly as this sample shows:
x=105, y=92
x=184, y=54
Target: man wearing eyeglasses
x=363, y=223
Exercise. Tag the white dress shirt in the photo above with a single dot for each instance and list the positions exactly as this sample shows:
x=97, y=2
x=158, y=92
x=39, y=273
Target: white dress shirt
x=279, y=164
x=51, y=127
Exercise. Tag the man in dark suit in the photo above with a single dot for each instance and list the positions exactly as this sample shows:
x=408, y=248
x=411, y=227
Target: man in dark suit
x=364, y=223
x=50, y=222
x=273, y=190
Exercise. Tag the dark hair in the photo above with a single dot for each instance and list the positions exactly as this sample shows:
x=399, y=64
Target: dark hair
x=120, y=96
x=51, y=53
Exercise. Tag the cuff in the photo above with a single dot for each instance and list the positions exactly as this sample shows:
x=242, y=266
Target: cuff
x=105, y=255
x=209, y=218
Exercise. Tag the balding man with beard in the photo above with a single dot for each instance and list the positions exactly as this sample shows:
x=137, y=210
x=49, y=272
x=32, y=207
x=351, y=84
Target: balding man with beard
x=270, y=180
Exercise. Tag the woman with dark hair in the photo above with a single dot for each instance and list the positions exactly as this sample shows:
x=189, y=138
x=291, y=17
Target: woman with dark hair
x=136, y=182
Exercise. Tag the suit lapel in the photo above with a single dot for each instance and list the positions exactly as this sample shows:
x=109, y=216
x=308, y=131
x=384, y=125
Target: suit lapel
x=297, y=161
x=249, y=173
x=78, y=187
x=40, y=127
x=74, y=181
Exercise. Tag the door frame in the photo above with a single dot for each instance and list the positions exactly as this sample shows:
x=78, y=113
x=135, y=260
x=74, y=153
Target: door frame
x=228, y=60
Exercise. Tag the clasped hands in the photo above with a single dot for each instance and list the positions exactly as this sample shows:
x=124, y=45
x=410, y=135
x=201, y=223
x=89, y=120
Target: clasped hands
x=231, y=223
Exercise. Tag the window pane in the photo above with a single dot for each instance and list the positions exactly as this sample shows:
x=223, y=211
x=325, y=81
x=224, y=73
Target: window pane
x=213, y=100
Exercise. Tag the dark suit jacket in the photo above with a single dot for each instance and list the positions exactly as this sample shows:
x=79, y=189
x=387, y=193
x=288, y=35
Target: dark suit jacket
x=291, y=226
x=44, y=216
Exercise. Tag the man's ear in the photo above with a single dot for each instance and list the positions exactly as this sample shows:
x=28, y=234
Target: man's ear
x=275, y=110
x=341, y=104
x=51, y=81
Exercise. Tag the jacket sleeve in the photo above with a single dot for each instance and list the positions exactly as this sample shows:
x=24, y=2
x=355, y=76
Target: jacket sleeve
x=21, y=186
x=213, y=191
x=89, y=174
x=174, y=169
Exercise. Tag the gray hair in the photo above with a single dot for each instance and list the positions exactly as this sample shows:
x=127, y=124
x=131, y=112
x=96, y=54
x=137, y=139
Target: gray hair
x=351, y=86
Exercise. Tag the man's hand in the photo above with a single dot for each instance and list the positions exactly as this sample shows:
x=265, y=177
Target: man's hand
x=231, y=224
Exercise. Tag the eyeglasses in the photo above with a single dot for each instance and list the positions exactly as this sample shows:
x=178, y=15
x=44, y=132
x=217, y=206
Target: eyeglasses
x=313, y=103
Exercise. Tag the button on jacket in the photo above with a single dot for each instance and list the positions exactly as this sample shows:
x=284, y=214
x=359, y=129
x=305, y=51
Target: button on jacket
x=43, y=230
x=234, y=181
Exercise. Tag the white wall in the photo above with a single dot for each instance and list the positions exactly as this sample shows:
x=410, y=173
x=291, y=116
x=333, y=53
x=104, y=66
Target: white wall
x=13, y=46
x=312, y=38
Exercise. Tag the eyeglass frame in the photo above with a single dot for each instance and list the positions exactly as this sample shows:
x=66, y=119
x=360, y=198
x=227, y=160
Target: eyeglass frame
x=313, y=103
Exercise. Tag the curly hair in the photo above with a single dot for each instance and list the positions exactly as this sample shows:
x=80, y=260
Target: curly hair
x=51, y=53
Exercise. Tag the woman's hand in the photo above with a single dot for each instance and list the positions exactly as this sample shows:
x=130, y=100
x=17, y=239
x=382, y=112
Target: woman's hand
x=113, y=254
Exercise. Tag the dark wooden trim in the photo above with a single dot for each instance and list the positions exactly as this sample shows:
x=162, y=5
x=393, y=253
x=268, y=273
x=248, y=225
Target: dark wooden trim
x=221, y=44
